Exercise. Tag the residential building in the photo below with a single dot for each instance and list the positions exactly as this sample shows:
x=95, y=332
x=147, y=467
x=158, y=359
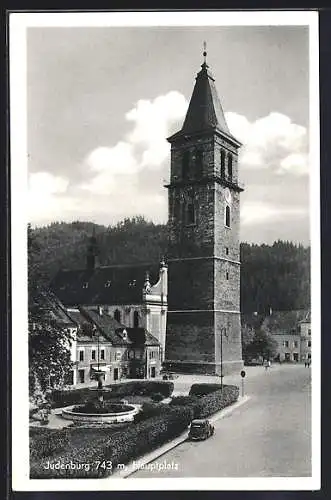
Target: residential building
x=292, y=332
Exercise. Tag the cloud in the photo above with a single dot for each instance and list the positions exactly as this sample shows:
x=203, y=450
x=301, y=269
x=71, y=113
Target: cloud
x=253, y=213
x=45, y=196
x=153, y=120
x=145, y=146
x=125, y=178
x=272, y=142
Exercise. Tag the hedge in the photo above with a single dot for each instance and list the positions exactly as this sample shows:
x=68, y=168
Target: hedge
x=120, y=448
x=203, y=389
x=210, y=403
x=149, y=410
x=45, y=442
x=144, y=387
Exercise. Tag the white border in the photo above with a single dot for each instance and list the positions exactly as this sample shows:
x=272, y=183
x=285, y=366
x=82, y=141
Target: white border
x=18, y=24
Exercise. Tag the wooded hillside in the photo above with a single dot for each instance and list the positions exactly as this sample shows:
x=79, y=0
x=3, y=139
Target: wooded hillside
x=276, y=276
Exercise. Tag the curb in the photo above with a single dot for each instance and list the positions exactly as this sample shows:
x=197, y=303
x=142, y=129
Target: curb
x=132, y=467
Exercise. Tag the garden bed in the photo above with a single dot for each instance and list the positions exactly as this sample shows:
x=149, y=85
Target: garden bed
x=158, y=424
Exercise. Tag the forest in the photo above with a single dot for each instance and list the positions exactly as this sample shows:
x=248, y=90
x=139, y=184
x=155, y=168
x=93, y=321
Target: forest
x=273, y=276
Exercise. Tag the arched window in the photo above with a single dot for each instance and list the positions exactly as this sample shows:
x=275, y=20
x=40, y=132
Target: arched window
x=230, y=167
x=227, y=216
x=117, y=315
x=185, y=164
x=190, y=212
x=222, y=163
x=135, y=319
x=199, y=163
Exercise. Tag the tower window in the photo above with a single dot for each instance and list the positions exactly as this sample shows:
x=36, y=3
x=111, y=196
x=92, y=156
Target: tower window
x=108, y=284
x=227, y=275
x=190, y=213
x=227, y=216
x=226, y=251
x=199, y=163
x=230, y=166
x=222, y=163
x=85, y=285
x=117, y=315
x=135, y=319
x=185, y=164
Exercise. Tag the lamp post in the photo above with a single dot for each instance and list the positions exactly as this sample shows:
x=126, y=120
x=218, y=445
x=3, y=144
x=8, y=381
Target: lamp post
x=223, y=330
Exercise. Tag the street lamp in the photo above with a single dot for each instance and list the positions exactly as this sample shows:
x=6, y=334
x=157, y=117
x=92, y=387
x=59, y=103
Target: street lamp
x=223, y=330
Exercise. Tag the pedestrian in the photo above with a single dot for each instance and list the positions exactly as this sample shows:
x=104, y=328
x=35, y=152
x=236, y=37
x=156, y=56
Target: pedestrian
x=266, y=365
x=305, y=364
x=269, y=363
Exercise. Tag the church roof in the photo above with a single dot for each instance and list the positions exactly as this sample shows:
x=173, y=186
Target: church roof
x=205, y=111
x=107, y=325
x=141, y=336
x=120, y=284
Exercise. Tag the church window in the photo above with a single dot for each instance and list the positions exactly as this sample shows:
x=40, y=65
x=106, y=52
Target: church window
x=185, y=164
x=85, y=285
x=226, y=251
x=108, y=284
x=135, y=319
x=117, y=315
x=199, y=163
x=230, y=167
x=222, y=163
x=227, y=216
x=190, y=213
x=227, y=275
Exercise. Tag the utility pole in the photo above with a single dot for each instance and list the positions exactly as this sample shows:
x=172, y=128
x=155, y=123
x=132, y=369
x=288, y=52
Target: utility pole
x=223, y=329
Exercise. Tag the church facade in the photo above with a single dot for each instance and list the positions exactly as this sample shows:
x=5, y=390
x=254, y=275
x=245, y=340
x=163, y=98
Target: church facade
x=203, y=324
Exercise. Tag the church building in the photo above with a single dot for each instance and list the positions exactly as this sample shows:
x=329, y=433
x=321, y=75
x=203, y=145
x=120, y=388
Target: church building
x=203, y=323
x=191, y=305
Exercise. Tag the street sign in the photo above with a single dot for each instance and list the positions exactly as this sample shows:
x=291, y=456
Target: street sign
x=243, y=374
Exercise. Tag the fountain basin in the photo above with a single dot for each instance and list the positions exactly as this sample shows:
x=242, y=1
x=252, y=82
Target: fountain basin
x=109, y=418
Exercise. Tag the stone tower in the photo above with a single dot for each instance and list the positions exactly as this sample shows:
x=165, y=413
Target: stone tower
x=203, y=325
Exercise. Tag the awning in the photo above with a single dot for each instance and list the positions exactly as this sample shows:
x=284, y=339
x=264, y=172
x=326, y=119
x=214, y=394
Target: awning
x=100, y=369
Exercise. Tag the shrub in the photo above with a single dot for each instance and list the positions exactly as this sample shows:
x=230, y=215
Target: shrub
x=157, y=396
x=142, y=388
x=61, y=398
x=208, y=404
x=98, y=408
x=119, y=448
x=149, y=410
x=183, y=400
x=45, y=442
x=203, y=389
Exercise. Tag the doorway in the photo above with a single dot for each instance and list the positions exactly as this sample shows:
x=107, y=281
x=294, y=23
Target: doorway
x=115, y=373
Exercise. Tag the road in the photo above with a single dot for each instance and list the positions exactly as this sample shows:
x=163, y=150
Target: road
x=270, y=435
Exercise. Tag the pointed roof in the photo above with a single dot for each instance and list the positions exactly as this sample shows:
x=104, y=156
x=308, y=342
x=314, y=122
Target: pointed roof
x=205, y=111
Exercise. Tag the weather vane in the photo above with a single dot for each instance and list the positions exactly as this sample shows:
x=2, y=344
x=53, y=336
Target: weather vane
x=204, y=51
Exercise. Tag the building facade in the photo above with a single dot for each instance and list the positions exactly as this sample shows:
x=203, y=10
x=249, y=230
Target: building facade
x=292, y=332
x=133, y=295
x=203, y=325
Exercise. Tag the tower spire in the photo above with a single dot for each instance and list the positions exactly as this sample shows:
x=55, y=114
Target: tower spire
x=204, y=54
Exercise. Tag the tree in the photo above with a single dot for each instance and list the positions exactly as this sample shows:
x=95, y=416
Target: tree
x=49, y=349
x=262, y=345
x=49, y=343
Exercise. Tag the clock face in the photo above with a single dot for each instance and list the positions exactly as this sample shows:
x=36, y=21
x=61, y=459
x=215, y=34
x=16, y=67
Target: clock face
x=227, y=195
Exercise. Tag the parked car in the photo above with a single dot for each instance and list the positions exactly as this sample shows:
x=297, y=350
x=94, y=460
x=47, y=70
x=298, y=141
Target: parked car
x=200, y=429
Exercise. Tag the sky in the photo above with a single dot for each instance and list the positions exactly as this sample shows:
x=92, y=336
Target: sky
x=101, y=102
